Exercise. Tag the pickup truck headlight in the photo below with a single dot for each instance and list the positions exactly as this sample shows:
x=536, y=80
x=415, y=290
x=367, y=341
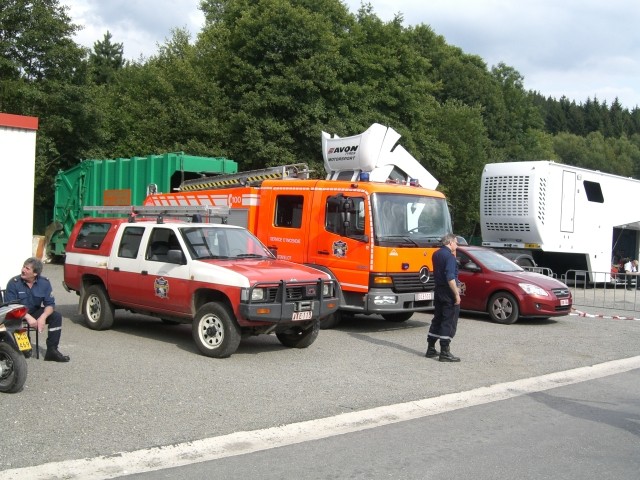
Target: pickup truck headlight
x=257, y=294
x=327, y=289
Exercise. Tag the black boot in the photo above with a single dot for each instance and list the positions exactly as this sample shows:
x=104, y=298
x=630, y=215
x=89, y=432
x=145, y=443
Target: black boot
x=446, y=355
x=54, y=355
x=431, y=352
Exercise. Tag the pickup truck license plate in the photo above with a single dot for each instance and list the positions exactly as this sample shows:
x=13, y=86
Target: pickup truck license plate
x=424, y=296
x=22, y=339
x=306, y=315
x=564, y=302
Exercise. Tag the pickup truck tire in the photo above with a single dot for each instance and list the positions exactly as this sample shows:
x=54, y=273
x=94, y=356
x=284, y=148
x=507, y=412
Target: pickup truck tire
x=397, y=317
x=299, y=336
x=97, y=308
x=215, y=331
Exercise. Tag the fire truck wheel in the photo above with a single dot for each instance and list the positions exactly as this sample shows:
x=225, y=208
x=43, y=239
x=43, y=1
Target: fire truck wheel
x=503, y=308
x=397, y=317
x=215, y=331
x=299, y=336
x=97, y=308
x=331, y=321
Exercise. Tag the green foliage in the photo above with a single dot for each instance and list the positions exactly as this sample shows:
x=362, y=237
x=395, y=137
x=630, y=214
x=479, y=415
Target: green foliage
x=264, y=78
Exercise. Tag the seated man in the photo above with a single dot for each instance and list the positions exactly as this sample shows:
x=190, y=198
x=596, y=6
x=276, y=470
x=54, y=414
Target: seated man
x=34, y=292
x=631, y=270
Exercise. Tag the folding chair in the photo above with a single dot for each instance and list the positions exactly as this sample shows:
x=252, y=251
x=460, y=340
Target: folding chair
x=29, y=328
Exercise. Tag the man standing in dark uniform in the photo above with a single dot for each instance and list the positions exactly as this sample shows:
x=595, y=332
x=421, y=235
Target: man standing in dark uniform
x=35, y=292
x=446, y=300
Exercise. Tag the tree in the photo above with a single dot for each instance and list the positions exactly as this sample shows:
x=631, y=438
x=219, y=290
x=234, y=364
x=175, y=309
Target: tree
x=105, y=59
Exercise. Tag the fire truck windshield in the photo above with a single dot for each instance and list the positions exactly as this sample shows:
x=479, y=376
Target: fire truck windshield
x=415, y=219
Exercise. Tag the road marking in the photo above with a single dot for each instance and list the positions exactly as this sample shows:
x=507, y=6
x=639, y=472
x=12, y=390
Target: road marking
x=240, y=443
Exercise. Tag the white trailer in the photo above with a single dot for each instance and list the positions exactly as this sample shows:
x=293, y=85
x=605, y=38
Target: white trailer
x=568, y=218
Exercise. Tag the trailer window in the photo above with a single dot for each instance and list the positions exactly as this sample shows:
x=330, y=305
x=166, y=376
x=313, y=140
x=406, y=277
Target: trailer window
x=289, y=211
x=593, y=191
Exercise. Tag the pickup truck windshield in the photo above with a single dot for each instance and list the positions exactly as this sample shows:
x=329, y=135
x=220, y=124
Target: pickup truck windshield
x=211, y=241
x=410, y=219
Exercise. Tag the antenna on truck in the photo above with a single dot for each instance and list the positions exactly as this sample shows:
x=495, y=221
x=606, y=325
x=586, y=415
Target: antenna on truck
x=251, y=178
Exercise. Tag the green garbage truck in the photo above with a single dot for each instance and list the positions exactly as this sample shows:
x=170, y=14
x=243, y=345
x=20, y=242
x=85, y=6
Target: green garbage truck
x=120, y=181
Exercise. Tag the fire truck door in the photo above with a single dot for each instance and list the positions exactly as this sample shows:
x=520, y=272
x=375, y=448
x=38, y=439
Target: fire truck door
x=340, y=240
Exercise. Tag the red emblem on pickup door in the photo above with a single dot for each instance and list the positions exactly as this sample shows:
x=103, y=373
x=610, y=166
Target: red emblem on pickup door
x=161, y=287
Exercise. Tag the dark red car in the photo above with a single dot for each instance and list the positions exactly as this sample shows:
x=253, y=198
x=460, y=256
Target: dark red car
x=493, y=284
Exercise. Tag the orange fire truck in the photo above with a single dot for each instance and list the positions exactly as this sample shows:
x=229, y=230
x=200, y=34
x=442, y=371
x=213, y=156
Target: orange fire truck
x=371, y=223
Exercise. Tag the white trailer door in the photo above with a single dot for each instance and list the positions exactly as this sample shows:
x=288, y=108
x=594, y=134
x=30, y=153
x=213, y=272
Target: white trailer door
x=568, y=206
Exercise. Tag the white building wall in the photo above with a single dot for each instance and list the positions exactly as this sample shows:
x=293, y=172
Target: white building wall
x=17, y=159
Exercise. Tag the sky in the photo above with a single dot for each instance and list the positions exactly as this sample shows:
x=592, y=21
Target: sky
x=575, y=48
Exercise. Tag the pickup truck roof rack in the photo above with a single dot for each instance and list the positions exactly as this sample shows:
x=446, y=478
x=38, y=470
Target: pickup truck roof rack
x=195, y=212
x=250, y=178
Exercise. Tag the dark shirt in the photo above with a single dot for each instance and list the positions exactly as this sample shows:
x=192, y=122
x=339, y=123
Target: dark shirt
x=445, y=267
x=39, y=295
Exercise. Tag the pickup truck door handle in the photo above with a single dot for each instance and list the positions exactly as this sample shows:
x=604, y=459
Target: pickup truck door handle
x=323, y=252
x=116, y=269
x=144, y=272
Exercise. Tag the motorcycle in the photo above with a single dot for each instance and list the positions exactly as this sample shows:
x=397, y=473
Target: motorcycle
x=15, y=346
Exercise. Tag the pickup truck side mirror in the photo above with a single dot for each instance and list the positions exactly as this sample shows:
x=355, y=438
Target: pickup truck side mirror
x=176, y=256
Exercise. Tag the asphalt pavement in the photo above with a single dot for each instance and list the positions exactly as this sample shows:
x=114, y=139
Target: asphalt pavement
x=143, y=384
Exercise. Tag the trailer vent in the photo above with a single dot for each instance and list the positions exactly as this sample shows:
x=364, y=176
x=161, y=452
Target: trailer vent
x=507, y=227
x=543, y=199
x=506, y=196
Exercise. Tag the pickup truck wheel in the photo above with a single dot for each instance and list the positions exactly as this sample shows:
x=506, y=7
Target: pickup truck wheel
x=215, y=331
x=299, y=336
x=503, y=308
x=97, y=308
x=397, y=317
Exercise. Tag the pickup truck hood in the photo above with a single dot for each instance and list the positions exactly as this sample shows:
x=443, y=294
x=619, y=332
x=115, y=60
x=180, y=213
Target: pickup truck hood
x=261, y=270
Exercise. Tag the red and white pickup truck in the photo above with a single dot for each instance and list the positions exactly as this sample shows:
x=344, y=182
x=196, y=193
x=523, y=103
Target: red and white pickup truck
x=219, y=278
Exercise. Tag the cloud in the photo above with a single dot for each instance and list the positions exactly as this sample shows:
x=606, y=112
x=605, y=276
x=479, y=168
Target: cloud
x=141, y=25
x=577, y=48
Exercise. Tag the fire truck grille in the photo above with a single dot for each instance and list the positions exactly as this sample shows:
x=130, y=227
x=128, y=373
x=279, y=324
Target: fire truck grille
x=410, y=282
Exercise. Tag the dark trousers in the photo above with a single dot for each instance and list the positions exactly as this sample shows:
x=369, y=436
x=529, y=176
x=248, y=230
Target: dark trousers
x=445, y=317
x=54, y=321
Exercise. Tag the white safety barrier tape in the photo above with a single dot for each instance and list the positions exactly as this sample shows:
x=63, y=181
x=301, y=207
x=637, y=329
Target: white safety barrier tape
x=578, y=313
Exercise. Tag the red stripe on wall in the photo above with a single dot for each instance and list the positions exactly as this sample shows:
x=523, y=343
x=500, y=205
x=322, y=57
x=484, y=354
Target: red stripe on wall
x=18, y=121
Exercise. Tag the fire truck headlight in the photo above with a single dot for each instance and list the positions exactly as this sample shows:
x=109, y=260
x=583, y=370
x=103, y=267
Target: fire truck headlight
x=327, y=289
x=385, y=300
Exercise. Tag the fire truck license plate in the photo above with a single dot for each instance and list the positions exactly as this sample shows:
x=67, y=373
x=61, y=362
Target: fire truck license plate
x=22, y=340
x=424, y=296
x=564, y=302
x=306, y=315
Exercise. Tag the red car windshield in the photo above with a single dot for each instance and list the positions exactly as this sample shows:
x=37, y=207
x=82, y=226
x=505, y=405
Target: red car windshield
x=496, y=262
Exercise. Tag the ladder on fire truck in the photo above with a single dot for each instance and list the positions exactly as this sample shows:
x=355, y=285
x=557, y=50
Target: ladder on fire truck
x=197, y=213
x=251, y=178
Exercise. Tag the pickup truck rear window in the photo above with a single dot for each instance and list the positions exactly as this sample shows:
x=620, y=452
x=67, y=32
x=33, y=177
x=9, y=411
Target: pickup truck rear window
x=91, y=235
